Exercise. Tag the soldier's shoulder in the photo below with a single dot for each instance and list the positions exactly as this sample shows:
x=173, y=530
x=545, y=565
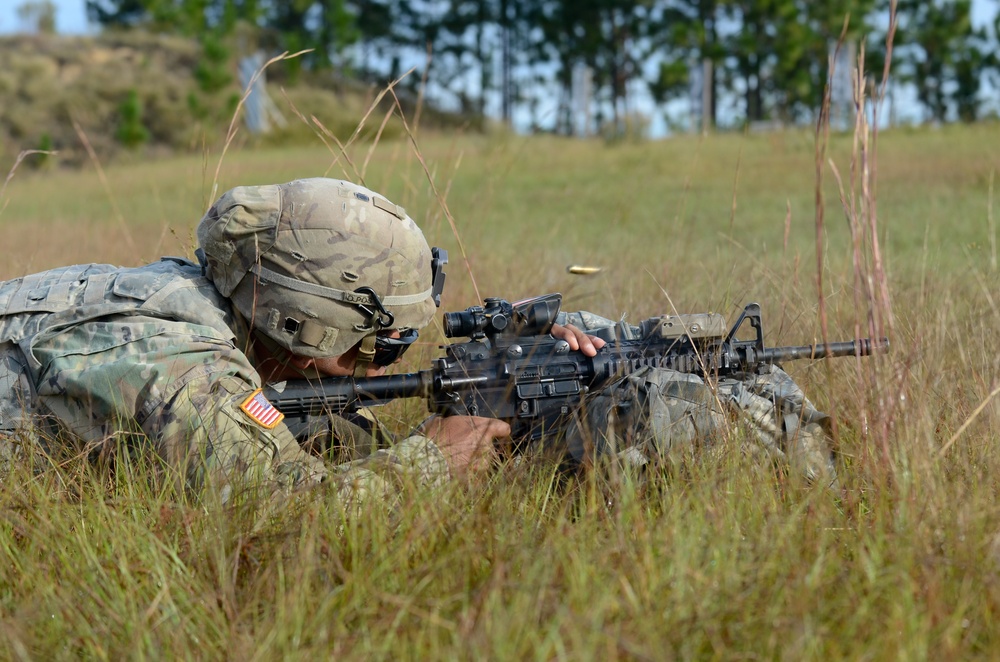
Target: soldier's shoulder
x=175, y=288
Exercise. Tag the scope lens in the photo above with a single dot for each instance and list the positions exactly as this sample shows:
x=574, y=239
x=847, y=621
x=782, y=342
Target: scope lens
x=459, y=324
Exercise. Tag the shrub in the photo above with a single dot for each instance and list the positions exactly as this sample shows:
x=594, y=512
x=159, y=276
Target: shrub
x=131, y=131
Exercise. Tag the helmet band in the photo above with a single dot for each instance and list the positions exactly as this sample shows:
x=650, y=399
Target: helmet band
x=354, y=298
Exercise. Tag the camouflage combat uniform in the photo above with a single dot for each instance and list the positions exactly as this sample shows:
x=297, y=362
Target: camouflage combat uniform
x=95, y=351
x=656, y=411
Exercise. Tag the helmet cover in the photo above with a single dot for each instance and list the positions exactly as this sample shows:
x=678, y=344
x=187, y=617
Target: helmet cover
x=292, y=256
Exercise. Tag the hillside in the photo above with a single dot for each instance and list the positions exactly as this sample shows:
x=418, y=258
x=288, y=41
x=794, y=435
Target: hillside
x=150, y=94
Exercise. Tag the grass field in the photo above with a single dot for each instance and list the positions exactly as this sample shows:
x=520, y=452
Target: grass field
x=717, y=557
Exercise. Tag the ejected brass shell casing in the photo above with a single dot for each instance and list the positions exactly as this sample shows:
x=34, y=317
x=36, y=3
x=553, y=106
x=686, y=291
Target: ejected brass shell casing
x=581, y=270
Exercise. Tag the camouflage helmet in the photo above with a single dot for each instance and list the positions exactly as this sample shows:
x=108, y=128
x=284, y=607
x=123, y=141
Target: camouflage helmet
x=296, y=260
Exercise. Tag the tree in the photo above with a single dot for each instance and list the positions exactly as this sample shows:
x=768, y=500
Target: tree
x=40, y=14
x=943, y=56
x=609, y=37
x=685, y=37
x=187, y=17
x=781, y=52
x=475, y=37
x=769, y=57
x=325, y=26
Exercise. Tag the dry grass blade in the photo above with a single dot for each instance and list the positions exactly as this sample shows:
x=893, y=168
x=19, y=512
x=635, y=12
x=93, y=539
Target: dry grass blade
x=325, y=135
x=126, y=233
x=358, y=176
x=990, y=222
x=822, y=139
x=859, y=203
x=17, y=162
x=736, y=188
x=437, y=194
x=389, y=89
x=232, y=130
x=969, y=421
x=378, y=137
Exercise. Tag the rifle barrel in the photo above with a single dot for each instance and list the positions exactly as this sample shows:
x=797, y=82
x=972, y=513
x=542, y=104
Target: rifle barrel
x=336, y=393
x=407, y=385
x=860, y=347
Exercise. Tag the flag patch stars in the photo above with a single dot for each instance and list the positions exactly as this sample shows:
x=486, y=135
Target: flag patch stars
x=258, y=408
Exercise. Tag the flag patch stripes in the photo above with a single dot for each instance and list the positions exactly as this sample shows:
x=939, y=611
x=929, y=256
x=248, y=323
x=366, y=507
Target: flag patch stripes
x=261, y=411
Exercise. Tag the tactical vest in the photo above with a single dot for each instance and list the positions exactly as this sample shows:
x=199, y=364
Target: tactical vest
x=40, y=305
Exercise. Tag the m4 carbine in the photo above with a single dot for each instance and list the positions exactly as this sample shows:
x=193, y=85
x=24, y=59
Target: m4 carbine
x=509, y=366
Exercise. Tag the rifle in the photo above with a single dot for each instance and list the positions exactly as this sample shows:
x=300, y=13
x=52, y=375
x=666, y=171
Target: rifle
x=510, y=367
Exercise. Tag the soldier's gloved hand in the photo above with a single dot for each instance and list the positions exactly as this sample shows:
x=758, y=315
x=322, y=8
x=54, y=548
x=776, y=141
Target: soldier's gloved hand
x=577, y=339
x=466, y=441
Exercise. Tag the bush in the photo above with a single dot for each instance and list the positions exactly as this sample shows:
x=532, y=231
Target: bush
x=212, y=72
x=131, y=131
x=44, y=158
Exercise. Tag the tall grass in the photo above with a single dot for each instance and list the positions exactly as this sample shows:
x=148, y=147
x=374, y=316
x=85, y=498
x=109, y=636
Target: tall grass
x=718, y=555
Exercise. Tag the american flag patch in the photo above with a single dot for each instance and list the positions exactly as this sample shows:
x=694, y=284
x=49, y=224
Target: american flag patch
x=261, y=411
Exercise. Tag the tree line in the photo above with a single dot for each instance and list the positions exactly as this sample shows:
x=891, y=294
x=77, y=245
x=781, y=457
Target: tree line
x=550, y=60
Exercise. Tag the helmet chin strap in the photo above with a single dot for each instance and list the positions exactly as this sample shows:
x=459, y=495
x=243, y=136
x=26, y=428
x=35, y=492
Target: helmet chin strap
x=284, y=357
x=379, y=318
x=366, y=352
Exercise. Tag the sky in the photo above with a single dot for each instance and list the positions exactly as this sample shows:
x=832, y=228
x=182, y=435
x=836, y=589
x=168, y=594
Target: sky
x=71, y=17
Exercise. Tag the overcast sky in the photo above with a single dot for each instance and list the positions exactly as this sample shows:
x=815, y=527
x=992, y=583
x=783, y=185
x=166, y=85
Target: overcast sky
x=71, y=18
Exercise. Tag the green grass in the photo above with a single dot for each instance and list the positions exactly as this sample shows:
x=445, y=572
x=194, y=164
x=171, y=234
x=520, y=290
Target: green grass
x=717, y=557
